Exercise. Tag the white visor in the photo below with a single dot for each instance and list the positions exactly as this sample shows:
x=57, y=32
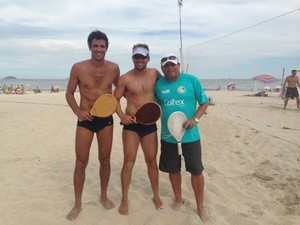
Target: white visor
x=140, y=50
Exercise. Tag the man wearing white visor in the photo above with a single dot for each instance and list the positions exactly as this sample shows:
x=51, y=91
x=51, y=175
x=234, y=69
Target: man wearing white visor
x=137, y=86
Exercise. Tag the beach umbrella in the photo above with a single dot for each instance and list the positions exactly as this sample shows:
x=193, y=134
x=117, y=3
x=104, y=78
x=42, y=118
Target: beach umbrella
x=27, y=86
x=56, y=86
x=264, y=78
x=230, y=86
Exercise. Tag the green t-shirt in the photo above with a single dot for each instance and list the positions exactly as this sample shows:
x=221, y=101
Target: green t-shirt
x=181, y=95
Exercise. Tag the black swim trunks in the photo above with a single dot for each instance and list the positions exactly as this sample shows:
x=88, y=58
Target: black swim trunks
x=170, y=161
x=291, y=92
x=140, y=129
x=98, y=123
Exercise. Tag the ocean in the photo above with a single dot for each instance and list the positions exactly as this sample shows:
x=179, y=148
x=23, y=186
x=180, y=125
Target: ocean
x=208, y=84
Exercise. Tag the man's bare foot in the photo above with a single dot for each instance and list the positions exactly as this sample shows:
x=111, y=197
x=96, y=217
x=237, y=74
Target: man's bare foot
x=72, y=215
x=157, y=202
x=124, y=209
x=177, y=205
x=203, y=216
x=107, y=203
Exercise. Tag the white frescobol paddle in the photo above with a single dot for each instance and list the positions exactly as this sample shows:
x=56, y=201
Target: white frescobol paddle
x=175, y=122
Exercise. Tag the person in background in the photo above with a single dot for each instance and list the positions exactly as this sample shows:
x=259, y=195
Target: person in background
x=94, y=77
x=291, y=90
x=137, y=86
x=37, y=90
x=181, y=92
x=54, y=89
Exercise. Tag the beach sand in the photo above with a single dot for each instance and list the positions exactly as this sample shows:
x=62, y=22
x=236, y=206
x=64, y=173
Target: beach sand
x=251, y=155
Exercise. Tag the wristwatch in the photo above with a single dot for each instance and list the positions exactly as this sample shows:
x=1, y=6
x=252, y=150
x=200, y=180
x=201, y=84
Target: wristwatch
x=196, y=120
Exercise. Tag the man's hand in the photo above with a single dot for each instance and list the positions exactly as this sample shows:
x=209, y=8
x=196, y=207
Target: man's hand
x=188, y=124
x=126, y=119
x=84, y=115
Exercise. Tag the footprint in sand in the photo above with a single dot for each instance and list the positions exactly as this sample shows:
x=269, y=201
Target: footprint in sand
x=286, y=181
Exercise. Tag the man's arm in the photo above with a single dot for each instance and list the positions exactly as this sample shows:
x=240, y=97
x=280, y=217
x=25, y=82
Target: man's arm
x=190, y=123
x=284, y=84
x=119, y=92
x=117, y=72
x=158, y=75
x=201, y=110
x=71, y=88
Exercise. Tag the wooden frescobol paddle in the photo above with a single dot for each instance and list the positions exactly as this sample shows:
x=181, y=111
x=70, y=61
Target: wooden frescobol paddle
x=104, y=106
x=147, y=114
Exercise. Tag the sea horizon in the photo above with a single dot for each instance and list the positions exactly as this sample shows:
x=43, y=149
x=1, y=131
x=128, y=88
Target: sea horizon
x=208, y=84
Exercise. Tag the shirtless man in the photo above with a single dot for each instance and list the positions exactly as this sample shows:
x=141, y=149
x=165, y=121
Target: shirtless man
x=94, y=77
x=291, y=90
x=137, y=86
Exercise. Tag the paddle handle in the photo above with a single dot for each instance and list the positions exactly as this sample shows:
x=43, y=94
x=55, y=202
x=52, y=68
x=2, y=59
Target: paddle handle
x=133, y=117
x=179, y=148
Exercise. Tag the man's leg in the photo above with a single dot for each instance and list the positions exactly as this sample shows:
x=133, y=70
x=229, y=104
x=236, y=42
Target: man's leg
x=104, y=138
x=285, y=103
x=149, y=146
x=198, y=187
x=175, y=179
x=83, y=142
x=131, y=142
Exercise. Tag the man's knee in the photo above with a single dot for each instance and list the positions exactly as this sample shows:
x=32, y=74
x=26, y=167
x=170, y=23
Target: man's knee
x=128, y=166
x=151, y=163
x=81, y=164
x=104, y=160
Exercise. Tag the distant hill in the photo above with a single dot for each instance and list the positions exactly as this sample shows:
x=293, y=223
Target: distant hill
x=9, y=78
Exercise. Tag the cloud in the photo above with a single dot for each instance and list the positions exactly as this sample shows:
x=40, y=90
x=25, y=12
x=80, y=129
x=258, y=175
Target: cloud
x=46, y=38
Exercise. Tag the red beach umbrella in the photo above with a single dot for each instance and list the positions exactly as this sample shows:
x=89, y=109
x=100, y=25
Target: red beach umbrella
x=266, y=79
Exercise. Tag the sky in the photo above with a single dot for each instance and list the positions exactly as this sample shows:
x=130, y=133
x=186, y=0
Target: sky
x=221, y=39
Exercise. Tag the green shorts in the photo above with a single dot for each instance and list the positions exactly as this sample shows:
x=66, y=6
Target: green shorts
x=170, y=161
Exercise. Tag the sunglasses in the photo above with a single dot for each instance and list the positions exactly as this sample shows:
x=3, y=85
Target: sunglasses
x=139, y=56
x=172, y=57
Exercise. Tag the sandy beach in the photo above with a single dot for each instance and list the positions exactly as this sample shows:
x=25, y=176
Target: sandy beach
x=251, y=155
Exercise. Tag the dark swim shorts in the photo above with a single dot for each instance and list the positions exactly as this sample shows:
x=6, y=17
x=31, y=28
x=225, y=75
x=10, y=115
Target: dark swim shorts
x=291, y=92
x=170, y=161
x=98, y=123
x=140, y=129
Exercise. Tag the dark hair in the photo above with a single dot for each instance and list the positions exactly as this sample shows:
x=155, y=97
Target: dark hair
x=294, y=71
x=97, y=34
x=141, y=45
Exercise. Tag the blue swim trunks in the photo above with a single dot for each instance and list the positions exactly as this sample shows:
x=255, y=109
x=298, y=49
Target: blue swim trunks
x=140, y=129
x=97, y=124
